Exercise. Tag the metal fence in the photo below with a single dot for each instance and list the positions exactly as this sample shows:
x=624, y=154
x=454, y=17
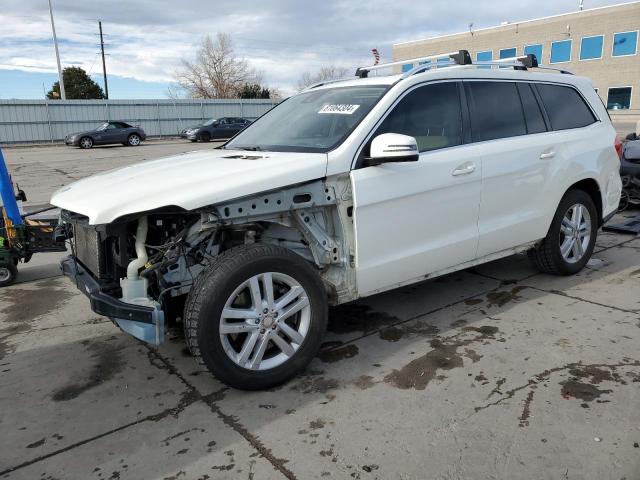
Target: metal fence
x=42, y=121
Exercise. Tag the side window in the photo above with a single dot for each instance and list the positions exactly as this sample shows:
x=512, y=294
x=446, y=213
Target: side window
x=565, y=107
x=496, y=111
x=532, y=113
x=432, y=114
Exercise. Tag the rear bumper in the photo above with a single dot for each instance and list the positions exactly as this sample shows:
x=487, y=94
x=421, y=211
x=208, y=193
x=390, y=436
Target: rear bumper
x=143, y=322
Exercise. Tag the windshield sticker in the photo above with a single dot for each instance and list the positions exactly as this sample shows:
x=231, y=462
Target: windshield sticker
x=340, y=108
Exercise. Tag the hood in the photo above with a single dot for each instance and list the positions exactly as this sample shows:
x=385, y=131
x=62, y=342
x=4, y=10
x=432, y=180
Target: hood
x=189, y=180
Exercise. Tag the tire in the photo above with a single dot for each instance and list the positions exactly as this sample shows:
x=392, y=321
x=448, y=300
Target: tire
x=205, y=137
x=220, y=287
x=85, y=143
x=133, y=140
x=194, y=140
x=8, y=273
x=548, y=257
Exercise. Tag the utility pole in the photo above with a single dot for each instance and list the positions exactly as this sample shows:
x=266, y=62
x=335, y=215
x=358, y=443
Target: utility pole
x=581, y=5
x=55, y=43
x=104, y=65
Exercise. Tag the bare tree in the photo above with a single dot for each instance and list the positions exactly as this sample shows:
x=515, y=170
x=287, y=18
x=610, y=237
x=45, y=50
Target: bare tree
x=329, y=72
x=216, y=72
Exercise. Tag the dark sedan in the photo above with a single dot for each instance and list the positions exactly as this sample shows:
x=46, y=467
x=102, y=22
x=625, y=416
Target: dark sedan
x=107, y=133
x=215, y=128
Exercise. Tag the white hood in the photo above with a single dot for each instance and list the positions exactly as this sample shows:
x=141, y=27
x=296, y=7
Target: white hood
x=189, y=180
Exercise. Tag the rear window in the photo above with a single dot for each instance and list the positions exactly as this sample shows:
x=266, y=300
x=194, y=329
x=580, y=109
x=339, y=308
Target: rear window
x=565, y=107
x=496, y=111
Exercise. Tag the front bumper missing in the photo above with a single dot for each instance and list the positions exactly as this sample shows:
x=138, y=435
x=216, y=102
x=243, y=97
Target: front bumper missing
x=143, y=322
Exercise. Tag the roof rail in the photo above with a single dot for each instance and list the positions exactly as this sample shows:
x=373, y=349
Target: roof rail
x=461, y=57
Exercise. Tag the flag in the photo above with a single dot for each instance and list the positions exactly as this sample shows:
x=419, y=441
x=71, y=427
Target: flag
x=376, y=56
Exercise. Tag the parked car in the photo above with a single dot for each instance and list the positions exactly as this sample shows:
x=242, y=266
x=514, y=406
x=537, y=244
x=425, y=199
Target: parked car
x=343, y=191
x=215, y=128
x=106, y=134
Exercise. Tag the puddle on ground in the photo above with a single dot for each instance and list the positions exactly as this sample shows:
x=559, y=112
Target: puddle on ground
x=445, y=356
x=353, y=317
x=108, y=363
x=500, y=299
x=583, y=381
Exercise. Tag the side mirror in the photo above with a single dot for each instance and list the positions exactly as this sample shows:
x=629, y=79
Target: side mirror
x=392, y=147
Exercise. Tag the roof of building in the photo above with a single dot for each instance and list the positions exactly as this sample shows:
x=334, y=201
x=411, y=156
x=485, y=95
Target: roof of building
x=512, y=24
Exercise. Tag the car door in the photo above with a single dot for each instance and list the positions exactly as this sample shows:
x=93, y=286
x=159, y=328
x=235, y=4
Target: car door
x=517, y=153
x=416, y=218
x=113, y=133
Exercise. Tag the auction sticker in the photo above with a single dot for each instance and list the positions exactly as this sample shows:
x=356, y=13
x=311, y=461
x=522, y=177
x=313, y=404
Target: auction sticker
x=341, y=108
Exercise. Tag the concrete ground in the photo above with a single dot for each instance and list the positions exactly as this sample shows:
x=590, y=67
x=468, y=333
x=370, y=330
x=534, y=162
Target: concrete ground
x=497, y=372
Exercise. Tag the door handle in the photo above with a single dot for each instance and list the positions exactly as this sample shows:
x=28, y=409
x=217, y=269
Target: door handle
x=549, y=154
x=464, y=169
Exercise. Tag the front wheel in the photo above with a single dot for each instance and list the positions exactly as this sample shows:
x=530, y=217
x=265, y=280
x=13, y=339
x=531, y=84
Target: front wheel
x=205, y=137
x=86, y=142
x=571, y=238
x=8, y=273
x=255, y=317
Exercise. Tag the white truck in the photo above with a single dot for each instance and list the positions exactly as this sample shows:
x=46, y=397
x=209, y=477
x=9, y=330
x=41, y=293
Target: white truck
x=345, y=190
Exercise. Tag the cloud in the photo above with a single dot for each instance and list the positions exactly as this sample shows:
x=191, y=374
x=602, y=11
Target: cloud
x=147, y=39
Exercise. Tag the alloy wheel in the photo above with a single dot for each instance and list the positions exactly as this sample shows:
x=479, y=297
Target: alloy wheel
x=265, y=321
x=134, y=140
x=575, y=233
x=5, y=274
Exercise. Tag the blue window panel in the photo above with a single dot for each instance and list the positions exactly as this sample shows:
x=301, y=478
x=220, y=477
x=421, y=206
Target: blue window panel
x=406, y=67
x=536, y=50
x=484, y=57
x=591, y=47
x=507, y=53
x=561, y=51
x=625, y=43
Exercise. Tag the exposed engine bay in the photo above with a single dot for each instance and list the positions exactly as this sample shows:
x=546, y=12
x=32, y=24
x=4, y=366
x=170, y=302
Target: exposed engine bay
x=153, y=260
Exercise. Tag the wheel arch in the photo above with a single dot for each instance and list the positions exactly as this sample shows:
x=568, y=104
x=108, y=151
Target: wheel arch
x=590, y=187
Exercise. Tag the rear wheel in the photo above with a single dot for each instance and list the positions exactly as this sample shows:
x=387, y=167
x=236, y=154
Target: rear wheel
x=86, y=142
x=256, y=316
x=571, y=238
x=133, y=140
x=8, y=273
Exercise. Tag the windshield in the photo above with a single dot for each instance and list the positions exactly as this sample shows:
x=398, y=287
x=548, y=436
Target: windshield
x=315, y=121
x=209, y=122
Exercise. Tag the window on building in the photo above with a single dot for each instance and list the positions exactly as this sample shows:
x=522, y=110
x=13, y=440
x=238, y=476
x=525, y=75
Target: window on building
x=619, y=98
x=496, y=111
x=485, y=56
x=561, y=51
x=591, y=47
x=625, y=43
x=565, y=107
x=431, y=114
x=534, y=49
x=406, y=67
x=507, y=52
x=532, y=113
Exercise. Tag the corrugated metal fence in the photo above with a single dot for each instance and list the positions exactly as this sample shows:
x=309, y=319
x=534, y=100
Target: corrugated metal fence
x=41, y=121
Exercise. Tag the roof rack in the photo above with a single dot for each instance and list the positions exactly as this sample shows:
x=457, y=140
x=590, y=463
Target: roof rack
x=461, y=57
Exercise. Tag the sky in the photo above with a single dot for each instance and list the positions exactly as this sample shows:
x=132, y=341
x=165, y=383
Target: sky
x=146, y=40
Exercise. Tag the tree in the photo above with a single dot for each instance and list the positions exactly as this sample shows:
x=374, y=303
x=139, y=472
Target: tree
x=326, y=73
x=216, y=72
x=254, y=90
x=77, y=86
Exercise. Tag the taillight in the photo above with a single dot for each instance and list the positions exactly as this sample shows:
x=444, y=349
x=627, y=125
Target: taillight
x=618, y=145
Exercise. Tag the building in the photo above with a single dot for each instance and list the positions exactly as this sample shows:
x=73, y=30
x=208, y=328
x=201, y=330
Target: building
x=600, y=43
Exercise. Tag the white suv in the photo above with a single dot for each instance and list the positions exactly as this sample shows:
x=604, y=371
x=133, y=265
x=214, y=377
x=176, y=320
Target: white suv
x=345, y=190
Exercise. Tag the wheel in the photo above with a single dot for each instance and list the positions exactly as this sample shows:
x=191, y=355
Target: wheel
x=205, y=137
x=255, y=317
x=194, y=140
x=571, y=237
x=86, y=142
x=133, y=140
x=8, y=273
